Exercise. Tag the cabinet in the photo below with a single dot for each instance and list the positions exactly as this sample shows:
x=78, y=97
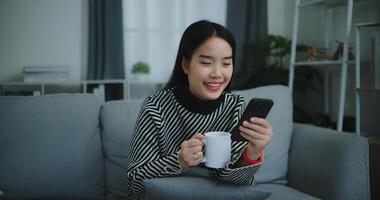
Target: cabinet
x=342, y=63
x=35, y=89
x=106, y=89
x=137, y=89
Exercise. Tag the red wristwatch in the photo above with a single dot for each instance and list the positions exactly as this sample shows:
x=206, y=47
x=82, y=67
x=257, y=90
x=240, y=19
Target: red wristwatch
x=249, y=161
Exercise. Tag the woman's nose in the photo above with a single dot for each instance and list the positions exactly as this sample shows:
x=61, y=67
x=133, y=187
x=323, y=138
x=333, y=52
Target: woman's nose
x=216, y=71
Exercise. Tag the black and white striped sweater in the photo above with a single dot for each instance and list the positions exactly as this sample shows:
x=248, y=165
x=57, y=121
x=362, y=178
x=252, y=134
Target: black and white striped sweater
x=172, y=116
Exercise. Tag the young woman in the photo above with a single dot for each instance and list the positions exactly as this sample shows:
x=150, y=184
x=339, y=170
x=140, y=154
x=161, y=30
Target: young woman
x=169, y=132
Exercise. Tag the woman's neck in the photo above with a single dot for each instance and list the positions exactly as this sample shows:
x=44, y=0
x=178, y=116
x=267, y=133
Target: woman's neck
x=187, y=99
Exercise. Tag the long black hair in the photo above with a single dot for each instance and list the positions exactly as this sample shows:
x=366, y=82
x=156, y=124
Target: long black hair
x=194, y=36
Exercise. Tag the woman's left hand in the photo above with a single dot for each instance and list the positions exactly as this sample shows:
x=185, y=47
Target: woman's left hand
x=259, y=133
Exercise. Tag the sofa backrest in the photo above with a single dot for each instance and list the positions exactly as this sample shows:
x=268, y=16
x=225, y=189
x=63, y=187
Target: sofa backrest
x=50, y=147
x=275, y=165
x=118, y=119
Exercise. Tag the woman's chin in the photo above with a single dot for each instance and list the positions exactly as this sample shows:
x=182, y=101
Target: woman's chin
x=209, y=96
x=211, y=93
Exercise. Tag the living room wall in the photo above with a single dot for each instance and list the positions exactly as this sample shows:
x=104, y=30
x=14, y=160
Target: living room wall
x=43, y=32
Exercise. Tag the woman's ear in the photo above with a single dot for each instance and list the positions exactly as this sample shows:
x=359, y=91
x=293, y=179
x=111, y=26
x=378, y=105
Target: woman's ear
x=185, y=65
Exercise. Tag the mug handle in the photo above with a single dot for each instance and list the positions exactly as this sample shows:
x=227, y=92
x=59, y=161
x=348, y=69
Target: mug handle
x=203, y=150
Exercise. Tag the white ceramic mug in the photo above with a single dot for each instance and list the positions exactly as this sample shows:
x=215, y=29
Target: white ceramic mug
x=217, y=149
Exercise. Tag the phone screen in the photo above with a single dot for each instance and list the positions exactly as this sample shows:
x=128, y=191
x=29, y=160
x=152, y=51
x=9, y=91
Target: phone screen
x=257, y=107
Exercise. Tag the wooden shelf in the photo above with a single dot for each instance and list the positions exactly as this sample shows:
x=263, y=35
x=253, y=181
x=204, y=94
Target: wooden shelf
x=369, y=89
x=40, y=83
x=368, y=24
x=87, y=86
x=322, y=62
x=324, y=3
x=327, y=3
x=116, y=81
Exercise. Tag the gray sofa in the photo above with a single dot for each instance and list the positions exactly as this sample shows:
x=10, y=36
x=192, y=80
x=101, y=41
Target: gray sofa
x=70, y=146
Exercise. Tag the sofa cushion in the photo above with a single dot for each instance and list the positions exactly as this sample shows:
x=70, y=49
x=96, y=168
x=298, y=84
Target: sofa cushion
x=283, y=192
x=118, y=119
x=194, y=188
x=275, y=165
x=50, y=147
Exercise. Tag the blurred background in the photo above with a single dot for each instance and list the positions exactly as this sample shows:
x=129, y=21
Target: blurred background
x=125, y=49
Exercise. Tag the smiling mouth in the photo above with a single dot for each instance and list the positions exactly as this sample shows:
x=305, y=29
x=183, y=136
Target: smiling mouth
x=213, y=85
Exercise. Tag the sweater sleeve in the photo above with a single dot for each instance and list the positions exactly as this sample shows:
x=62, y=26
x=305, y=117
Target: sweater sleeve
x=145, y=160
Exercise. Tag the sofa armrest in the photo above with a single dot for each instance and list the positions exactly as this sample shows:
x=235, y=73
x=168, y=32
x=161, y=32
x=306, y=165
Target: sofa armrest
x=329, y=164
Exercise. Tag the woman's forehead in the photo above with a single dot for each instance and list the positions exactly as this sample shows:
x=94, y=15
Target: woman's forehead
x=214, y=47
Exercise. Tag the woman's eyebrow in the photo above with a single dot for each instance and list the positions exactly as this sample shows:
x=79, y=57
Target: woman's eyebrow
x=205, y=56
x=210, y=57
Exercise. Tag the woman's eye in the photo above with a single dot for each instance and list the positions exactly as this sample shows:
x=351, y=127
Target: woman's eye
x=206, y=63
x=226, y=64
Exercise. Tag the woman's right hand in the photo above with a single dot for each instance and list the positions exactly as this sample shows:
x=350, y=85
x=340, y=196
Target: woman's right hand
x=191, y=151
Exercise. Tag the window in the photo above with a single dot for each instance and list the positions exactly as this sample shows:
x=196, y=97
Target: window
x=153, y=29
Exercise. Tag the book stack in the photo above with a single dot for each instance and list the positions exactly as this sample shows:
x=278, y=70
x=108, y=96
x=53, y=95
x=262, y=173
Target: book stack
x=45, y=74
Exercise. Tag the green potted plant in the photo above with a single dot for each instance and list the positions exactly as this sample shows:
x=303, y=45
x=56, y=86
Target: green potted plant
x=140, y=70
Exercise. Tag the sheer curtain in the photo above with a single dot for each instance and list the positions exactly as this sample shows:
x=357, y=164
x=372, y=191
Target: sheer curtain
x=153, y=28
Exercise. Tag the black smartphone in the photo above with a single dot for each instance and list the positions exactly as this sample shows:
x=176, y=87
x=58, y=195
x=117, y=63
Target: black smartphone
x=257, y=107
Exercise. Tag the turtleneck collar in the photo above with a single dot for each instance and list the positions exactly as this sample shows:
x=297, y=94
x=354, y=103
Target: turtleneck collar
x=184, y=96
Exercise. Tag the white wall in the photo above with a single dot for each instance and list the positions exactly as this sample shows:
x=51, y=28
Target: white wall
x=280, y=17
x=43, y=32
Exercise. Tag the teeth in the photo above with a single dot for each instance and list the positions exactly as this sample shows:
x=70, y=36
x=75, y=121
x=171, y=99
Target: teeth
x=214, y=84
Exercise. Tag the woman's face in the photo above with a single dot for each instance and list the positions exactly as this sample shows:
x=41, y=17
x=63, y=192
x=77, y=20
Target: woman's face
x=210, y=69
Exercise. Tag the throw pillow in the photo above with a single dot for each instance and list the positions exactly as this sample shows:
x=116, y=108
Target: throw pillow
x=194, y=188
x=50, y=147
x=275, y=165
x=118, y=119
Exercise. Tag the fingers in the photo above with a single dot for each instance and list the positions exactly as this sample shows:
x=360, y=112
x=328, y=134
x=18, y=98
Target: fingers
x=194, y=142
x=199, y=136
x=191, y=150
x=192, y=158
x=248, y=137
x=257, y=125
x=197, y=157
x=257, y=131
x=196, y=149
x=260, y=121
x=252, y=134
